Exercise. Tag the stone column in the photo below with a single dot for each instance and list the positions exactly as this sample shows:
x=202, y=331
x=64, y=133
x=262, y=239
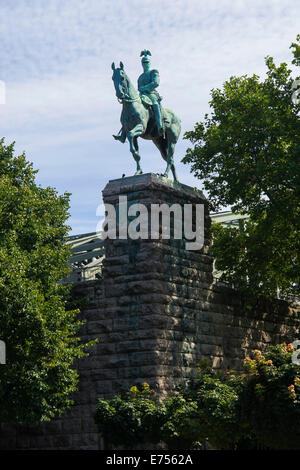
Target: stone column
x=153, y=290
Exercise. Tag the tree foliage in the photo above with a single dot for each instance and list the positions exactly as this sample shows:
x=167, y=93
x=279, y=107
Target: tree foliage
x=247, y=154
x=258, y=409
x=129, y=419
x=35, y=323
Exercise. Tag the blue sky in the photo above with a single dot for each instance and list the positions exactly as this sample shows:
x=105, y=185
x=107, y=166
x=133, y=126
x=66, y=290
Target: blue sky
x=61, y=107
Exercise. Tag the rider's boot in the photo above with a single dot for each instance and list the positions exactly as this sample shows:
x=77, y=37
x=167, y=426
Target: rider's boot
x=159, y=120
x=121, y=135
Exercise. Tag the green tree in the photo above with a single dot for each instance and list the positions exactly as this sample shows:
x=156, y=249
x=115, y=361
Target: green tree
x=247, y=153
x=38, y=328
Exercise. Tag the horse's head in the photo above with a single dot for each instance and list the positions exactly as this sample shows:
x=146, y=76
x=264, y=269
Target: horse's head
x=124, y=89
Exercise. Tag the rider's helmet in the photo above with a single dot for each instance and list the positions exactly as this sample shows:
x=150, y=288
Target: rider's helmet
x=145, y=56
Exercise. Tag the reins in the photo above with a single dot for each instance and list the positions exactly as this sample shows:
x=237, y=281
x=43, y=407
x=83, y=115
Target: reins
x=126, y=98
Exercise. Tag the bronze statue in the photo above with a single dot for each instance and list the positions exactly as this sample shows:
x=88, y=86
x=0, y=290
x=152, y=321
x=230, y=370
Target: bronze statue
x=143, y=116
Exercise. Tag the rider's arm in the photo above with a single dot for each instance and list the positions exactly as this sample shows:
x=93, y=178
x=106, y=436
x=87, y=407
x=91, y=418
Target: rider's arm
x=153, y=84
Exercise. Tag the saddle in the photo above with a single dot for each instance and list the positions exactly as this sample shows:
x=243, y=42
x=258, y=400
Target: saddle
x=148, y=104
x=146, y=101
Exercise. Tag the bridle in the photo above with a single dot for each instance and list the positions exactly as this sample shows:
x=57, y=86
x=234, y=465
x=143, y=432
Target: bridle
x=125, y=98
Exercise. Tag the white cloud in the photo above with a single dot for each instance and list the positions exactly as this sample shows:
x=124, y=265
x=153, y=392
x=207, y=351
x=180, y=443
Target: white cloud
x=55, y=61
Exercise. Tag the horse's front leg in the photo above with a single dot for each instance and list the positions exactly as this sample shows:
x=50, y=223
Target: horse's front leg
x=132, y=139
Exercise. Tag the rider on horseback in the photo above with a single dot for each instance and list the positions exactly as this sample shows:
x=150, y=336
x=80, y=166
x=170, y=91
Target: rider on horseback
x=148, y=81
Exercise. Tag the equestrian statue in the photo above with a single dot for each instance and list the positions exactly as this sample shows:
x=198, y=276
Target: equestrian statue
x=143, y=116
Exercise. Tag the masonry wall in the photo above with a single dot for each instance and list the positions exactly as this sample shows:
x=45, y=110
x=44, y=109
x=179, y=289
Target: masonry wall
x=157, y=313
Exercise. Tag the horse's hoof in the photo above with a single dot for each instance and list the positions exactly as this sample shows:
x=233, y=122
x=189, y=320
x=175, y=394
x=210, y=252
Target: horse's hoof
x=119, y=138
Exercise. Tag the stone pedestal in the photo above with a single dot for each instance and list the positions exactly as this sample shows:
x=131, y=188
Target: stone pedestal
x=153, y=290
x=156, y=313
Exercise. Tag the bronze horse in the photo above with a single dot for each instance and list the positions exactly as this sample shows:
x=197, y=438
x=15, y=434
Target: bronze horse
x=138, y=121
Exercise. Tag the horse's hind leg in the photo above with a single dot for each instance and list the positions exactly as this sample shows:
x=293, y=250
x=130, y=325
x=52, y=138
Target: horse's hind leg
x=134, y=149
x=166, y=149
x=170, y=161
x=174, y=172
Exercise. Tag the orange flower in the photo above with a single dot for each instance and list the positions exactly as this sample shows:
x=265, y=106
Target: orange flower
x=292, y=392
x=257, y=352
x=297, y=381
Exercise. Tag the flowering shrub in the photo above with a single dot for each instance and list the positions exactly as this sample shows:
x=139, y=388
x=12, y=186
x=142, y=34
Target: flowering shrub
x=130, y=419
x=257, y=409
x=270, y=398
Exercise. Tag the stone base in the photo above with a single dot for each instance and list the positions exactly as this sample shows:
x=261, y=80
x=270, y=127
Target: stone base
x=157, y=313
x=152, y=289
